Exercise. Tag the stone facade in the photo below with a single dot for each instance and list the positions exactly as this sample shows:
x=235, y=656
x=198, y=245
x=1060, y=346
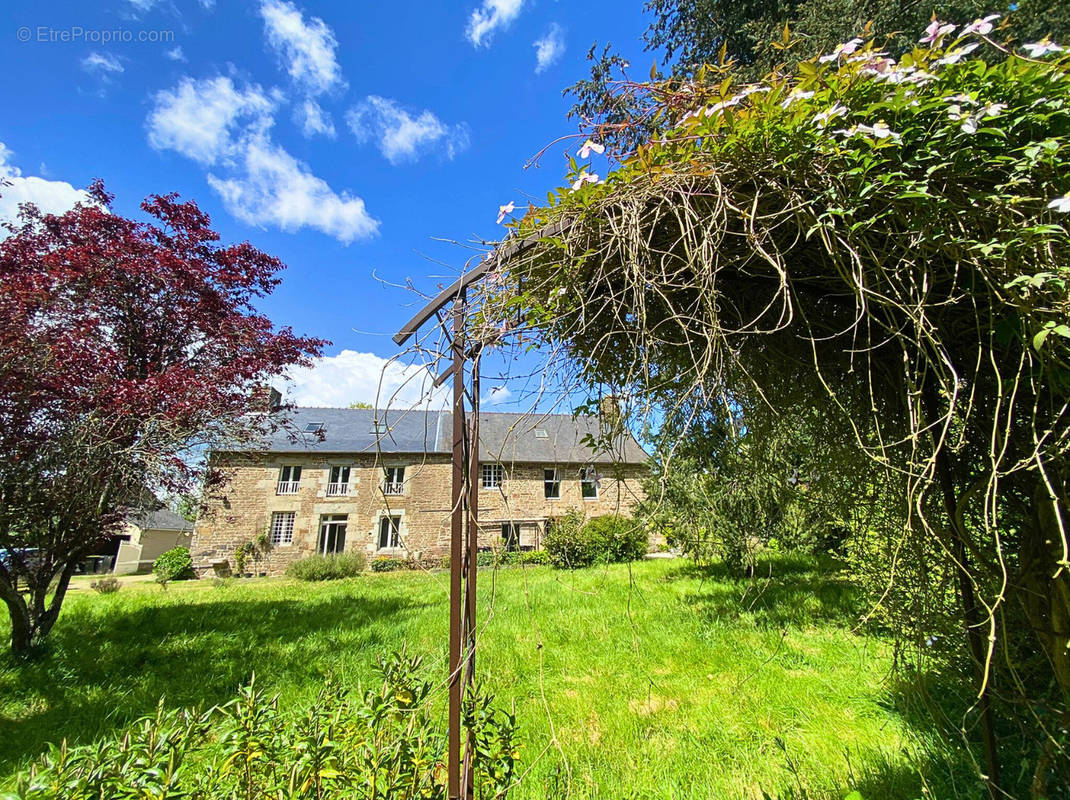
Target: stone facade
x=244, y=513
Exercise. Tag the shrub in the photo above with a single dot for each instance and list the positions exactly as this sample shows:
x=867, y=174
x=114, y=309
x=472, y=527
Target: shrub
x=619, y=538
x=327, y=567
x=571, y=543
x=390, y=738
x=535, y=557
x=174, y=565
x=567, y=543
x=385, y=564
x=106, y=585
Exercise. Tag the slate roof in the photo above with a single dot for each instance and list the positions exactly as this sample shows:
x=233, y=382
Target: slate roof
x=162, y=519
x=506, y=438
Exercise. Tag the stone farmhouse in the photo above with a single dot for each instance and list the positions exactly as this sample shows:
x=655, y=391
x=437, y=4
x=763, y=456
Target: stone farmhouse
x=379, y=482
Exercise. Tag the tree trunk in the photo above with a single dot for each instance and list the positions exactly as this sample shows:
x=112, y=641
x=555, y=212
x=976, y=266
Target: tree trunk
x=971, y=613
x=1044, y=592
x=1054, y=582
x=19, y=613
x=32, y=621
x=974, y=622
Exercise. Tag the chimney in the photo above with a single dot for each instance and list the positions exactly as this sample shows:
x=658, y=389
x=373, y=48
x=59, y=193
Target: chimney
x=265, y=399
x=609, y=414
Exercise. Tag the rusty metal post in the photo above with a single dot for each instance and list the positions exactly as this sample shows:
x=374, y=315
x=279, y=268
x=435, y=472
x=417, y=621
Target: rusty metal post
x=473, y=560
x=453, y=755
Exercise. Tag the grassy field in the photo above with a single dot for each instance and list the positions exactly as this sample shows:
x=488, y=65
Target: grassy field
x=656, y=680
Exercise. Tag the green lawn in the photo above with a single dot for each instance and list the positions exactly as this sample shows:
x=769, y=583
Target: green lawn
x=655, y=680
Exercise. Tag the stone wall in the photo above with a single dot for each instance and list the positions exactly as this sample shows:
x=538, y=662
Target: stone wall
x=244, y=510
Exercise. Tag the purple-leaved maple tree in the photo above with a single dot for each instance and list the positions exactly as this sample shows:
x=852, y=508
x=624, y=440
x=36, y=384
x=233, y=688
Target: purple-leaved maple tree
x=126, y=347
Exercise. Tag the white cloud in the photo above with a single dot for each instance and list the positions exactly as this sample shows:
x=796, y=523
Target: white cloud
x=486, y=19
x=549, y=49
x=313, y=119
x=198, y=118
x=176, y=54
x=52, y=197
x=102, y=64
x=498, y=395
x=274, y=188
x=352, y=377
x=402, y=136
x=306, y=49
x=221, y=125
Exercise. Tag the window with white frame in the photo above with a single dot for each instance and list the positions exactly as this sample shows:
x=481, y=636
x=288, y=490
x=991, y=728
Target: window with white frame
x=389, y=533
x=590, y=482
x=394, y=480
x=332, y=533
x=491, y=476
x=289, y=480
x=282, y=527
x=339, y=482
x=551, y=484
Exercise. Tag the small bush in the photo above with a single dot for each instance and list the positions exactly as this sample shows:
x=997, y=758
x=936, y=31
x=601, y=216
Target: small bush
x=174, y=565
x=620, y=538
x=106, y=585
x=327, y=567
x=568, y=545
x=535, y=558
x=571, y=543
x=383, y=564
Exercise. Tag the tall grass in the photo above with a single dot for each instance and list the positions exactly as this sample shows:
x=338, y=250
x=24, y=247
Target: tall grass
x=652, y=680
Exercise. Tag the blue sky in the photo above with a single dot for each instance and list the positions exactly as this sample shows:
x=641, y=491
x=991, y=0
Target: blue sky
x=340, y=137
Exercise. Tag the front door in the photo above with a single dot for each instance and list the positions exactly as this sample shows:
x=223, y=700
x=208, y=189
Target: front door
x=511, y=535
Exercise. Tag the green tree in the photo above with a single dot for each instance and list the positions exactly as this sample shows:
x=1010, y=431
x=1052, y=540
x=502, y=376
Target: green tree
x=880, y=244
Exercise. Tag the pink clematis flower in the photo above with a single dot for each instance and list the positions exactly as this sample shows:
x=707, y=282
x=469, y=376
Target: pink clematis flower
x=841, y=50
x=981, y=27
x=504, y=211
x=591, y=146
x=936, y=30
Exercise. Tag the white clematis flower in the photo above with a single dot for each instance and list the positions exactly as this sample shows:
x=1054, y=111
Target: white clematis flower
x=591, y=146
x=1042, y=48
x=504, y=211
x=1061, y=204
x=586, y=177
x=796, y=95
x=956, y=55
x=822, y=118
